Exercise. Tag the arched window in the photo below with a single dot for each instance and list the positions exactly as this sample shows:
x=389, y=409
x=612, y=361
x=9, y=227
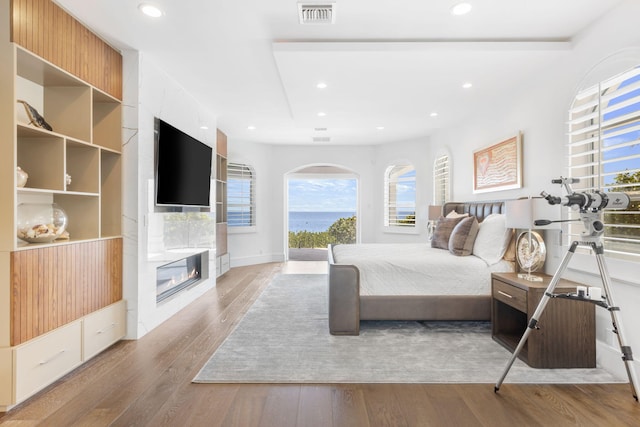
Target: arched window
x=604, y=153
x=400, y=196
x=241, y=183
x=441, y=182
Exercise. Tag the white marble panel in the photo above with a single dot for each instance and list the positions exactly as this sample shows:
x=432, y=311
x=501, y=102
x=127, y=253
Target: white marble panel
x=149, y=241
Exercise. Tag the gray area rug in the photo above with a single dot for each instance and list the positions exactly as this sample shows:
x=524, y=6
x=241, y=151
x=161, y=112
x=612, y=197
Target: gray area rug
x=284, y=338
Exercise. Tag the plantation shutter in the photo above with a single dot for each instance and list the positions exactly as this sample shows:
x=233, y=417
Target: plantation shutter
x=240, y=195
x=441, y=180
x=400, y=198
x=604, y=152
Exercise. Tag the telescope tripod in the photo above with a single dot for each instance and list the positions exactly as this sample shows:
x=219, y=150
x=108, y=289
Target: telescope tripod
x=606, y=302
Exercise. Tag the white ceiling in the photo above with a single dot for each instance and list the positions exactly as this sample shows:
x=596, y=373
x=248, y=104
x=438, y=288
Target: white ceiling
x=388, y=63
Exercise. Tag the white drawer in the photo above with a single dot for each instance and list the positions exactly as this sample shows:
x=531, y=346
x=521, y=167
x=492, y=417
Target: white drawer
x=45, y=359
x=102, y=328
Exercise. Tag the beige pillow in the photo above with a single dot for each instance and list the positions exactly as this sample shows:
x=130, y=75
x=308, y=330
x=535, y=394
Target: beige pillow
x=510, y=253
x=443, y=230
x=463, y=236
x=454, y=214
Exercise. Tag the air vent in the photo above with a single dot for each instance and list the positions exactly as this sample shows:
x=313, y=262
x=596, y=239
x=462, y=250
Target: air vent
x=320, y=129
x=321, y=139
x=317, y=13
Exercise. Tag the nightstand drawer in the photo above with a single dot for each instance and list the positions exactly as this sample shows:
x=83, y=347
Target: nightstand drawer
x=510, y=295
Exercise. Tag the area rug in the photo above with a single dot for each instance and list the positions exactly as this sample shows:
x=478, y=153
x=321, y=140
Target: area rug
x=284, y=338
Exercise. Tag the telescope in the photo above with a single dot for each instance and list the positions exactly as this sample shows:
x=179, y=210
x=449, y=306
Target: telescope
x=588, y=204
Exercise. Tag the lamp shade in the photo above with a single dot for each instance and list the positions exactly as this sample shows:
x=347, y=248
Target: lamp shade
x=543, y=210
x=519, y=213
x=522, y=213
x=434, y=212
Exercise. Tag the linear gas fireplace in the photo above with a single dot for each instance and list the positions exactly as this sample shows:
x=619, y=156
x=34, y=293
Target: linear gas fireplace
x=178, y=275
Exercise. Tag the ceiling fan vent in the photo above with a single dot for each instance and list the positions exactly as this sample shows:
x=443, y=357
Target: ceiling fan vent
x=317, y=13
x=321, y=139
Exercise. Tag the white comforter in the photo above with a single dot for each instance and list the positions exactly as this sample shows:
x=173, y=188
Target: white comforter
x=417, y=269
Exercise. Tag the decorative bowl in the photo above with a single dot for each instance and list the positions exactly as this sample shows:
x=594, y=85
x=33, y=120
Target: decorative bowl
x=40, y=223
x=21, y=177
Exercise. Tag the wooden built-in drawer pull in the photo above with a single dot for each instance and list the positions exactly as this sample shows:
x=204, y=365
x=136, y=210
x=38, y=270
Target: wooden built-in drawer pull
x=44, y=362
x=505, y=294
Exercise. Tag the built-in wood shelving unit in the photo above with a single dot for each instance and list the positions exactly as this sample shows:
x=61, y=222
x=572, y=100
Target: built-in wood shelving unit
x=222, y=253
x=60, y=301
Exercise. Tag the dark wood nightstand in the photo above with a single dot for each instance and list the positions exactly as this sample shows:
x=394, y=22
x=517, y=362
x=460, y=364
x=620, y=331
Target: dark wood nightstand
x=566, y=334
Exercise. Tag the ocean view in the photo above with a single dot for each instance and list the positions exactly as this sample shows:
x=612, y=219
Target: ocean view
x=314, y=221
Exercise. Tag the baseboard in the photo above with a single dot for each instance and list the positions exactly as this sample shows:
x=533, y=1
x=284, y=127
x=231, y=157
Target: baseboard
x=610, y=359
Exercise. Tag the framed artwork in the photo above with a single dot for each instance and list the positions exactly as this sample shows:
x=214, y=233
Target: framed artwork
x=498, y=167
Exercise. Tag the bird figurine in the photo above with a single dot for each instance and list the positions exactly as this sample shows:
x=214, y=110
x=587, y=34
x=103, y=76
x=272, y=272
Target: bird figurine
x=35, y=117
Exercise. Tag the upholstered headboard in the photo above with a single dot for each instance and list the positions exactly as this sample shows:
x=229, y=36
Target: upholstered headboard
x=480, y=210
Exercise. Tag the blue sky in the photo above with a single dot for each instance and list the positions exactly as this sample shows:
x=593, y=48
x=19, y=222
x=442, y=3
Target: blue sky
x=332, y=195
x=627, y=154
x=323, y=195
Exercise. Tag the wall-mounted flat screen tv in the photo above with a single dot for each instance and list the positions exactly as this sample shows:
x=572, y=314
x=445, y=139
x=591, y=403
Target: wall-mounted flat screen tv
x=183, y=168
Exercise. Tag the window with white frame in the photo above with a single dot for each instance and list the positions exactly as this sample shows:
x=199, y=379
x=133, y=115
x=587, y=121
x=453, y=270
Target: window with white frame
x=400, y=196
x=604, y=153
x=241, y=181
x=441, y=187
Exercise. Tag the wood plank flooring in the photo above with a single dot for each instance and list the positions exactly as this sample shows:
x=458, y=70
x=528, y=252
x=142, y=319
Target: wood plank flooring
x=148, y=383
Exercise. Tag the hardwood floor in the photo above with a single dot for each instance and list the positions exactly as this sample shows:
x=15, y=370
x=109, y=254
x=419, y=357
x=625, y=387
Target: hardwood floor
x=148, y=383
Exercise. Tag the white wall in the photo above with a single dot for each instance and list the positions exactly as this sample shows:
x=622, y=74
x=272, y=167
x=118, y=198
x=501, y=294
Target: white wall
x=611, y=45
x=271, y=164
x=416, y=152
x=149, y=93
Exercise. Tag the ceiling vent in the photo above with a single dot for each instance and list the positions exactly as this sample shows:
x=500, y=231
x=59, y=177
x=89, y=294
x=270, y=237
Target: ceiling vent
x=320, y=129
x=321, y=139
x=317, y=13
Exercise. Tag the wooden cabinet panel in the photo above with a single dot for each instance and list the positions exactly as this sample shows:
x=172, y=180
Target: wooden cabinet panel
x=48, y=31
x=55, y=285
x=565, y=332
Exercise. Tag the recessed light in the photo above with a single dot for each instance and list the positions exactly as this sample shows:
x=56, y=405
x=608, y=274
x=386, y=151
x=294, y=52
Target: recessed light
x=204, y=127
x=321, y=114
x=150, y=10
x=321, y=85
x=434, y=114
x=467, y=85
x=461, y=9
x=251, y=127
x=380, y=127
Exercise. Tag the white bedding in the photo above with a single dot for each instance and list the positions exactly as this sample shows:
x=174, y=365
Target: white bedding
x=417, y=269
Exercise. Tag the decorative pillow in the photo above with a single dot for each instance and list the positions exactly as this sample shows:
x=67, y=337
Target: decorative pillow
x=463, y=236
x=492, y=239
x=454, y=214
x=510, y=253
x=443, y=230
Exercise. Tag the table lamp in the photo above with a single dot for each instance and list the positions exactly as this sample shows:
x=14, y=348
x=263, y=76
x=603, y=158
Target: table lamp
x=530, y=248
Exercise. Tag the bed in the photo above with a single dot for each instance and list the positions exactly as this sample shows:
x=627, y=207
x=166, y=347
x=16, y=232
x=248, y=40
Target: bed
x=416, y=281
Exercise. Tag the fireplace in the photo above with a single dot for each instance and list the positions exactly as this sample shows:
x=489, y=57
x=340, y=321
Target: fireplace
x=178, y=275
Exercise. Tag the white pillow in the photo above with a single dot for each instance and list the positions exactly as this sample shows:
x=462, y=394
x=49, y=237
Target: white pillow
x=492, y=240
